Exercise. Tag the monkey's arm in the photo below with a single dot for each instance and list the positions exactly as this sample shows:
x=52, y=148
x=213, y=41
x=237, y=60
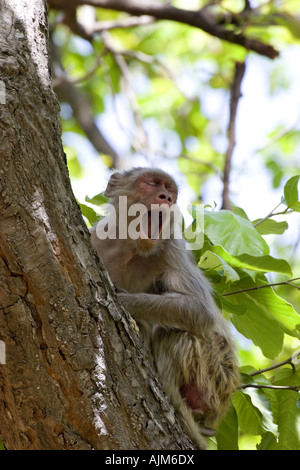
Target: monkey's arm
x=170, y=310
x=186, y=304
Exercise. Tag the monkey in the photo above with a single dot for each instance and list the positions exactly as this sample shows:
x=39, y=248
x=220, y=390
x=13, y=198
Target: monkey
x=159, y=283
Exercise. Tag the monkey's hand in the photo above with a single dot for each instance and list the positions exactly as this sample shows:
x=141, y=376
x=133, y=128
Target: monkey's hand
x=171, y=309
x=125, y=299
x=121, y=291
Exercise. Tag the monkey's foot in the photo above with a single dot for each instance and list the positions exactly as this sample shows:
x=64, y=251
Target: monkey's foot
x=209, y=432
x=197, y=414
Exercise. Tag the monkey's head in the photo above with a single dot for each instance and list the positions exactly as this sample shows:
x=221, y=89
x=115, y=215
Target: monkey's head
x=152, y=193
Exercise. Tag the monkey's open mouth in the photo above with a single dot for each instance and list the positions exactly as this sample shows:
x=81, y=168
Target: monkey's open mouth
x=155, y=224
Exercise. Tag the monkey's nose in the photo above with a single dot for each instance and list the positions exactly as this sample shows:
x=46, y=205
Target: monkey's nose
x=165, y=198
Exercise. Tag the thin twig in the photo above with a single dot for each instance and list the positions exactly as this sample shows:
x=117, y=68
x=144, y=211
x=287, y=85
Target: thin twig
x=267, y=216
x=265, y=285
x=279, y=364
x=195, y=160
x=273, y=387
x=101, y=26
x=235, y=95
x=63, y=76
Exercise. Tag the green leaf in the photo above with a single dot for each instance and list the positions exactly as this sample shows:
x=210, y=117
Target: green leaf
x=259, y=401
x=254, y=263
x=227, y=433
x=269, y=394
x=239, y=211
x=267, y=302
x=291, y=193
x=265, y=333
x=211, y=261
x=267, y=317
x=234, y=233
x=89, y=213
x=270, y=226
x=289, y=21
x=74, y=165
x=288, y=411
x=97, y=200
x=249, y=416
x=231, y=307
x=268, y=442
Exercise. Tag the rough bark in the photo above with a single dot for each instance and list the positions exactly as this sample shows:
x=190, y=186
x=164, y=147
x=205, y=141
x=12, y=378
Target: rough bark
x=75, y=376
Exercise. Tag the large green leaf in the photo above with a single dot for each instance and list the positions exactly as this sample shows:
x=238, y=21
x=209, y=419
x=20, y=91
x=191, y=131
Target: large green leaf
x=265, y=333
x=268, y=303
x=234, y=233
x=89, y=213
x=249, y=416
x=233, y=307
x=254, y=263
x=270, y=226
x=97, y=200
x=267, y=317
x=291, y=193
x=268, y=442
x=258, y=400
x=227, y=433
x=211, y=261
x=288, y=411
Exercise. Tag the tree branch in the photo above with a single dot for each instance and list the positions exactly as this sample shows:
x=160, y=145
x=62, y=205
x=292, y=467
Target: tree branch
x=235, y=95
x=273, y=387
x=101, y=26
x=201, y=19
x=289, y=283
x=88, y=29
x=271, y=214
x=279, y=364
x=82, y=111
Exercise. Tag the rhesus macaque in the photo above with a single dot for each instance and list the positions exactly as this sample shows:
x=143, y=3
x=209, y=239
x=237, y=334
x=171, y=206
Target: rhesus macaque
x=162, y=287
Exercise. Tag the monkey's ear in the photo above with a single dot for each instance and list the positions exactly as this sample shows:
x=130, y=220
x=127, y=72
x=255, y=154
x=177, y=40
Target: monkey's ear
x=113, y=184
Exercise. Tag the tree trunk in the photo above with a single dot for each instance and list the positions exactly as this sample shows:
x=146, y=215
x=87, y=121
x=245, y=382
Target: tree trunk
x=74, y=375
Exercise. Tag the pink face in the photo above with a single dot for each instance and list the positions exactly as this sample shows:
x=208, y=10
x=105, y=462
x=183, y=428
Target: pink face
x=156, y=189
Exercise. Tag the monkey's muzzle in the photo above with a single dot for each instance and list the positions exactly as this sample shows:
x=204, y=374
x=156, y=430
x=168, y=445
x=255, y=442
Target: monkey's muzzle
x=153, y=223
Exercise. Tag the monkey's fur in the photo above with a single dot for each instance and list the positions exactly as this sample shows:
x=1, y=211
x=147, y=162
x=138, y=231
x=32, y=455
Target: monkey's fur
x=191, y=344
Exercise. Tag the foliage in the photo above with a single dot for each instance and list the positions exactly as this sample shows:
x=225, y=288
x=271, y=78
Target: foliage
x=261, y=315
x=159, y=92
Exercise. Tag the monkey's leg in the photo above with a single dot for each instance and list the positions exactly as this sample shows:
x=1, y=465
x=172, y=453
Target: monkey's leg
x=168, y=348
x=195, y=400
x=196, y=374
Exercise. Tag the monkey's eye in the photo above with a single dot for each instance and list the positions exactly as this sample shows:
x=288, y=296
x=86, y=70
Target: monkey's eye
x=153, y=182
x=172, y=189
